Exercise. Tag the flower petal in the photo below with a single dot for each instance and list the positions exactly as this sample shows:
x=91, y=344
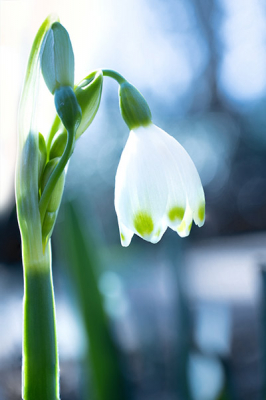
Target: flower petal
x=141, y=188
x=176, y=203
x=125, y=235
x=189, y=176
x=184, y=228
x=192, y=183
x=158, y=233
x=157, y=185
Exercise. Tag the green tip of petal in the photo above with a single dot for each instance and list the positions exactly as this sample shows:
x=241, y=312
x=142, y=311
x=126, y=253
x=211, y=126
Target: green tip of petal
x=157, y=234
x=122, y=236
x=176, y=213
x=143, y=223
x=183, y=229
x=182, y=226
x=201, y=212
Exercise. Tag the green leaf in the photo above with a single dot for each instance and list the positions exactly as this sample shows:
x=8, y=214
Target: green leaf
x=58, y=145
x=82, y=262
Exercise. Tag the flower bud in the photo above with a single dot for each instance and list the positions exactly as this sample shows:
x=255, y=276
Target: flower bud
x=54, y=202
x=48, y=226
x=57, y=58
x=133, y=106
x=56, y=196
x=58, y=145
x=88, y=93
x=67, y=107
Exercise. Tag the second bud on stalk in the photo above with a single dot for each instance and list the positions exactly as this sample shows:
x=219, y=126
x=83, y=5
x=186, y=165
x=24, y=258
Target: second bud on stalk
x=55, y=199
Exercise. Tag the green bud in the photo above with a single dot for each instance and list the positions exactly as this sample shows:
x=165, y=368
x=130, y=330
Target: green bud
x=134, y=108
x=54, y=202
x=56, y=196
x=47, y=227
x=58, y=146
x=88, y=93
x=57, y=58
x=42, y=156
x=67, y=107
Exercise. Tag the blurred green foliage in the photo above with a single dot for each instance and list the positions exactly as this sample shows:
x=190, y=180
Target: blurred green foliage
x=81, y=258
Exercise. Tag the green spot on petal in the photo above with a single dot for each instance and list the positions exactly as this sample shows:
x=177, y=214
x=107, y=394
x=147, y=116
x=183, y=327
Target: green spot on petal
x=189, y=226
x=176, y=213
x=201, y=212
x=122, y=236
x=143, y=223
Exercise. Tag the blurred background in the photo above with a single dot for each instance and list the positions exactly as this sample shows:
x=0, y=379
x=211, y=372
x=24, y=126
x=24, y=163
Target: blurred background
x=185, y=319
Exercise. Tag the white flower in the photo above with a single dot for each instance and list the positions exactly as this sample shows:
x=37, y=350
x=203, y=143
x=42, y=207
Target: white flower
x=157, y=185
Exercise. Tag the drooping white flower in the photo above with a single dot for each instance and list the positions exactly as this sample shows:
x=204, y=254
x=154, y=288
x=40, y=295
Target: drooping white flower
x=157, y=185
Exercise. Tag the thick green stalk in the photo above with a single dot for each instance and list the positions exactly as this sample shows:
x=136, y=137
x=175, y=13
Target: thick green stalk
x=40, y=364
x=40, y=357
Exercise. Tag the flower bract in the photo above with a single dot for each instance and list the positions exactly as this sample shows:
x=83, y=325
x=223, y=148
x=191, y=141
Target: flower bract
x=157, y=185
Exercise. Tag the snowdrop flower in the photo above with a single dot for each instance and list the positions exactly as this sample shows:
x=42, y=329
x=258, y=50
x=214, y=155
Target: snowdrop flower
x=157, y=184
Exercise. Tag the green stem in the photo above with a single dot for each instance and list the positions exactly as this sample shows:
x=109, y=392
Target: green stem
x=53, y=130
x=45, y=197
x=40, y=357
x=113, y=74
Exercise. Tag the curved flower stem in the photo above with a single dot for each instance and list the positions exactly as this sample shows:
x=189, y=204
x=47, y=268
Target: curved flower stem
x=40, y=356
x=44, y=200
x=56, y=124
x=113, y=74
